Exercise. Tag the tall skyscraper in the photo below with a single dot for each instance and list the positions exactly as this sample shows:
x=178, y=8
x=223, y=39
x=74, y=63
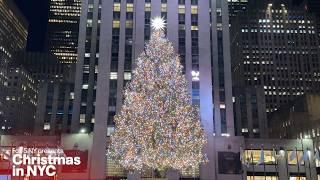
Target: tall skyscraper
x=276, y=46
x=55, y=91
x=236, y=7
x=63, y=28
x=113, y=33
x=21, y=100
x=13, y=37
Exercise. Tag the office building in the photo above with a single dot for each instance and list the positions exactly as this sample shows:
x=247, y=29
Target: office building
x=54, y=112
x=13, y=37
x=236, y=7
x=55, y=91
x=112, y=34
x=21, y=100
x=63, y=28
x=250, y=113
x=299, y=119
x=275, y=45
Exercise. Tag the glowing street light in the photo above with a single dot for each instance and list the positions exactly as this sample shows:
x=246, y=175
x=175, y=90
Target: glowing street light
x=83, y=130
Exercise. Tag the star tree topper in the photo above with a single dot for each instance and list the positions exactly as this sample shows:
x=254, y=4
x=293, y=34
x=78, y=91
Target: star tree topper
x=158, y=23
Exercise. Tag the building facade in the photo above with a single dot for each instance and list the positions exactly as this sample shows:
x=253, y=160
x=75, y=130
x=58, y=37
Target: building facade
x=13, y=37
x=299, y=119
x=250, y=113
x=55, y=91
x=236, y=6
x=281, y=158
x=112, y=34
x=54, y=112
x=276, y=46
x=21, y=100
x=63, y=28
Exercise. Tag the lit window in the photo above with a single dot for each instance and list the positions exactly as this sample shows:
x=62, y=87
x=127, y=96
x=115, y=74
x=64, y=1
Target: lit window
x=194, y=9
x=85, y=86
x=72, y=95
x=46, y=126
x=82, y=118
x=113, y=75
x=298, y=178
x=244, y=130
x=116, y=7
x=163, y=7
x=129, y=24
x=294, y=157
x=129, y=7
x=127, y=76
x=195, y=75
x=116, y=24
x=89, y=23
x=257, y=177
x=255, y=154
x=182, y=9
x=147, y=7
x=194, y=28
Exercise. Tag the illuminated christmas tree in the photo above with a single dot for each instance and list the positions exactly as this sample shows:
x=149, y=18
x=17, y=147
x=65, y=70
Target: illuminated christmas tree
x=157, y=127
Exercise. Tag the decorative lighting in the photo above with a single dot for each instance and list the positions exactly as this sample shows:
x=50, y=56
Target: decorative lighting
x=158, y=23
x=157, y=126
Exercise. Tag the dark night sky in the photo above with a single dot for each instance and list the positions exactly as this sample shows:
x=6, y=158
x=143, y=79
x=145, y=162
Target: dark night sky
x=36, y=12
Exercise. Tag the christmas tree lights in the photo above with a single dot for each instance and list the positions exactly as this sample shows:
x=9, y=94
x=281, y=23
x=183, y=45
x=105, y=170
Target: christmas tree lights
x=157, y=127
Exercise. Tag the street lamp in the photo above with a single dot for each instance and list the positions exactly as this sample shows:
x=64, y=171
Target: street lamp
x=83, y=130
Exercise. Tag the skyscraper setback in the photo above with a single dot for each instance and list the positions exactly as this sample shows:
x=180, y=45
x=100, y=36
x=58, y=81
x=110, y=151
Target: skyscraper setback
x=113, y=33
x=63, y=27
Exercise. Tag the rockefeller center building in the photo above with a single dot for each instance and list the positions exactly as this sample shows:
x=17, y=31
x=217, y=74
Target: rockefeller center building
x=112, y=35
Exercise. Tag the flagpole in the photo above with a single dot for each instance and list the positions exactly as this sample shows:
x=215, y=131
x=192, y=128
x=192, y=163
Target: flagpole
x=304, y=161
x=241, y=159
x=298, y=163
x=264, y=164
x=286, y=158
x=275, y=161
x=309, y=162
x=252, y=163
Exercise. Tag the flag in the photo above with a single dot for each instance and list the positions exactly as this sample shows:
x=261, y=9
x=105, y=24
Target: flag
x=242, y=156
x=248, y=160
x=261, y=160
x=304, y=158
x=274, y=154
x=293, y=155
x=317, y=155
